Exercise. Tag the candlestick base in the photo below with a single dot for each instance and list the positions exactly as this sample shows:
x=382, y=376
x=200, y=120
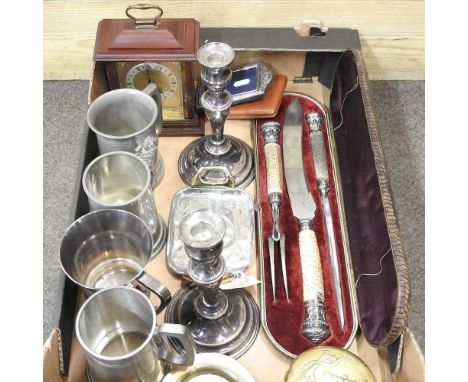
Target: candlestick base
x=232, y=334
x=238, y=159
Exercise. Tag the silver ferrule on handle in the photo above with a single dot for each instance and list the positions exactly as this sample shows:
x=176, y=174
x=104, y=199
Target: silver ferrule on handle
x=315, y=326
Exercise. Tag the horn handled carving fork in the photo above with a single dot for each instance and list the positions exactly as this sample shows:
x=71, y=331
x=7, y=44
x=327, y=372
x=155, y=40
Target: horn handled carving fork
x=270, y=132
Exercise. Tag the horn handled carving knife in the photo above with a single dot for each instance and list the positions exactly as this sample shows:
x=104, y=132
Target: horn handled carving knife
x=315, y=326
x=314, y=120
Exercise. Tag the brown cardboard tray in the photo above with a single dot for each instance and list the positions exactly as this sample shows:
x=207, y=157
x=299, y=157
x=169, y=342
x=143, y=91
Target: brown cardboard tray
x=316, y=59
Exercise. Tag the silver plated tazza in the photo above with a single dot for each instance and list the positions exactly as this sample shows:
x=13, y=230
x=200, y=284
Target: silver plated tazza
x=225, y=322
x=233, y=205
x=217, y=149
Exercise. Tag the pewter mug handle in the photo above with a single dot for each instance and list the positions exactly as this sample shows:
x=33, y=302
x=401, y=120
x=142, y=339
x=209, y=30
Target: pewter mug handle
x=157, y=288
x=182, y=334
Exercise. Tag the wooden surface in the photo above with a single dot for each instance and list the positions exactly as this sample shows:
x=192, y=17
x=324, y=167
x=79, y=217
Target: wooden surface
x=392, y=32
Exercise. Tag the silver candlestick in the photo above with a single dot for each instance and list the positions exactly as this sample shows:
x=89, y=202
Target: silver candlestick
x=224, y=322
x=217, y=149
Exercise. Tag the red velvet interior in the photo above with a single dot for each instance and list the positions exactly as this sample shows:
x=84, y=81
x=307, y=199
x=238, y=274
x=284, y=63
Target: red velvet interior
x=285, y=319
x=367, y=226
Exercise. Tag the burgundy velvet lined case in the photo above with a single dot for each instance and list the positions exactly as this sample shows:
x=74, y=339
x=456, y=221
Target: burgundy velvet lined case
x=367, y=223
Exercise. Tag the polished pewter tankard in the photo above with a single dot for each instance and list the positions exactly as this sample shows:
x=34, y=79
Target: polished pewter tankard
x=109, y=248
x=121, y=180
x=129, y=120
x=122, y=341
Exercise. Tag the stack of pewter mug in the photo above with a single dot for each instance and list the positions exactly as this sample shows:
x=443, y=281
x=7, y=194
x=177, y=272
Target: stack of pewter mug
x=106, y=251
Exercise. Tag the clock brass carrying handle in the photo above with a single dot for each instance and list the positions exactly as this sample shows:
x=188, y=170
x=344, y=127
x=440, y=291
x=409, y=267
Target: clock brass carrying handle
x=148, y=22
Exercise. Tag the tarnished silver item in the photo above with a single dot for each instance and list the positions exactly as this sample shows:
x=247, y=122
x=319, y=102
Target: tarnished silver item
x=274, y=168
x=108, y=248
x=118, y=331
x=233, y=205
x=225, y=322
x=121, y=180
x=129, y=120
x=314, y=121
x=315, y=326
x=217, y=149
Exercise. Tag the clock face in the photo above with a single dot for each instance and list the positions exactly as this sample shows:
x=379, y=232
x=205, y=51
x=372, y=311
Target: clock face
x=166, y=75
x=160, y=74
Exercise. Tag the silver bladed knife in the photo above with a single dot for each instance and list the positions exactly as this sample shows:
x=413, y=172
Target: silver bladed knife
x=315, y=326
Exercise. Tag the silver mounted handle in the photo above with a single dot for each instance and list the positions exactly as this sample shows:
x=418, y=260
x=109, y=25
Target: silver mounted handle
x=315, y=324
x=179, y=333
x=274, y=166
x=157, y=288
x=314, y=120
x=273, y=158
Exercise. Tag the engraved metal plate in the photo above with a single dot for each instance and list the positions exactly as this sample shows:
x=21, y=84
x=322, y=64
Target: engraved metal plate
x=249, y=82
x=235, y=207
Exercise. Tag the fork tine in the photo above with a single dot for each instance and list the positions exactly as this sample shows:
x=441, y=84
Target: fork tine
x=283, y=265
x=271, y=253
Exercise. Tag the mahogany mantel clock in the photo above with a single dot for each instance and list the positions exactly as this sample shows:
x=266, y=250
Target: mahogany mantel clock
x=137, y=51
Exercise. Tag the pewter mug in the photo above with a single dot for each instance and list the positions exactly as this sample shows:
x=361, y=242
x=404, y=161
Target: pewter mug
x=121, y=180
x=122, y=341
x=129, y=120
x=108, y=248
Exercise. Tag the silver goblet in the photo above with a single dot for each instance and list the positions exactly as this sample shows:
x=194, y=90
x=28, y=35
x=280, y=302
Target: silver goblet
x=217, y=149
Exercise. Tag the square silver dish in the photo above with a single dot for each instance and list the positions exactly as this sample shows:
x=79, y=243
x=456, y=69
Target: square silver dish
x=236, y=208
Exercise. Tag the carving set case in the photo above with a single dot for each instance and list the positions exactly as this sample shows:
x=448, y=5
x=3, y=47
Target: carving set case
x=327, y=75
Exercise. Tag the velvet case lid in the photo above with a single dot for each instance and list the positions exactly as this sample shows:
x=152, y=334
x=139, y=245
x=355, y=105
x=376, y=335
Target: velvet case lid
x=377, y=250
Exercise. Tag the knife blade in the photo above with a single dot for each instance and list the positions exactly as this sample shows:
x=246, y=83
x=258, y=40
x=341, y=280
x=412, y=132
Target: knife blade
x=315, y=326
x=314, y=121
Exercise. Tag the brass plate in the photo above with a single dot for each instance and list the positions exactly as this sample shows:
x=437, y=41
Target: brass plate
x=327, y=363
